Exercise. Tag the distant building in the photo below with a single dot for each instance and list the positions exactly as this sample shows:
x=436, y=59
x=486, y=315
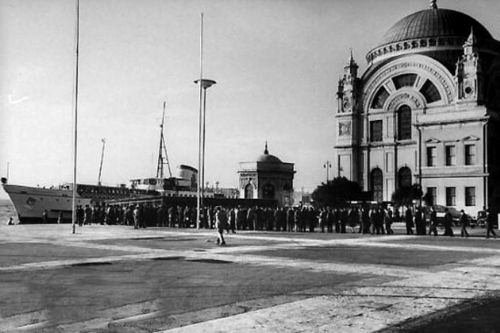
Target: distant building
x=426, y=111
x=302, y=198
x=267, y=178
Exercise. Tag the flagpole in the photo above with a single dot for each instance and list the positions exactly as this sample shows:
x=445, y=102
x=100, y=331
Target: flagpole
x=75, y=115
x=198, y=197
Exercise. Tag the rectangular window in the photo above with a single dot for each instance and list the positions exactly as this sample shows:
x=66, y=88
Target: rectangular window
x=470, y=196
x=470, y=154
x=376, y=131
x=431, y=194
x=404, y=123
x=450, y=155
x=450, y=196
x=431, y=156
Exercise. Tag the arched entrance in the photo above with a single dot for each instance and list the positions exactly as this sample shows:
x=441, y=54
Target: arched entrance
x=404, y=177
x=249, y=191
x=377, y=184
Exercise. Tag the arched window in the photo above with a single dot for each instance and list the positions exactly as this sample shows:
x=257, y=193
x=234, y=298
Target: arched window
x=404, y=80
x=249, y=191
x=404, y=123
x=377, y=184
x=404, y=177
x=430, y=92
x=380, y=98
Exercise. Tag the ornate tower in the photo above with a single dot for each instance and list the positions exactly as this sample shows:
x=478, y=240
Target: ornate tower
x=347, y=122
x=468, y=74
x=347, y=89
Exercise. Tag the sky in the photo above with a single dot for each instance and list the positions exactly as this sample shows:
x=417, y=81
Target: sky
x=276, y=63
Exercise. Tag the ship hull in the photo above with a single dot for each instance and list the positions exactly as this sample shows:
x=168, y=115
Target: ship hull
x=30, y=203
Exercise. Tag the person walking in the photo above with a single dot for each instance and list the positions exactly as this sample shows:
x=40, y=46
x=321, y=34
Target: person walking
x=80, y=214
x=60, y=218
x=365, y=220
x=136, y=216
x=330, y=220
x=343, y=220
x=251, y=218
x=463, y=223
x=388, y=221
x=419, y=222
x=409, y=221
x=433, y=222
x=296, y=219
x=490, y=224
x=322, y=219
x=240, y=218
x=448, y=222
x=232, y=221
x=220, y=224
x=87, y=215
x=373, y=220
x=353, y=219
x=45, y=217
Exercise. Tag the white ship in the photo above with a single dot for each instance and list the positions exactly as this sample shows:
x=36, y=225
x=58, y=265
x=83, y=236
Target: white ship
x=30, y=202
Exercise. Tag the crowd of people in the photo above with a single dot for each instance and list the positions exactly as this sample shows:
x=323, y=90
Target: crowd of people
x=366, y=219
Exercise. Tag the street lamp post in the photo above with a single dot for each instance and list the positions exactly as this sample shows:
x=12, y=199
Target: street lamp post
x=204, y=85
x=327, y=166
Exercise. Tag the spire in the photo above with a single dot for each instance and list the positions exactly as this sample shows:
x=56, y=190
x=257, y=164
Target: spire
x=351, y=61
x=433, y=4
x=472, y=38
x=266, y=152
x=470, y=45
x=351, y=68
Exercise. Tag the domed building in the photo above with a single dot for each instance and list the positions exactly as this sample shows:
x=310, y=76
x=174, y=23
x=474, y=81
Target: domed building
x=267, y=178
x=425, y=111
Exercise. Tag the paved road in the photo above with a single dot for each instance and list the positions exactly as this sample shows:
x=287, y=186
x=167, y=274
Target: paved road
x=116, y=279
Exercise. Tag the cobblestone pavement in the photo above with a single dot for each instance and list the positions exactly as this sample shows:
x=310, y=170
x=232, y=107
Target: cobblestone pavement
x=117, y=279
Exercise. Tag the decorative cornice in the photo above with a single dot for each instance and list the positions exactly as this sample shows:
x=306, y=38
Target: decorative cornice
x=471, y=138
x=452, y=121
x=418, y=45
x=432, y=140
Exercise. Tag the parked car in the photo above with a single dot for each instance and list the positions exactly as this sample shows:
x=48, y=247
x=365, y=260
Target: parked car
x=481, y=219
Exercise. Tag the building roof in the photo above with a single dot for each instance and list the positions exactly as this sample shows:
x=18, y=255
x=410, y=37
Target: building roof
x=435, y=22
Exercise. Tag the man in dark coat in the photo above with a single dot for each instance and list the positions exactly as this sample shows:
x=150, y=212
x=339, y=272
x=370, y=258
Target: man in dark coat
x=463, y=224
x=409, y=221
x=448, y=222
x=490, y=223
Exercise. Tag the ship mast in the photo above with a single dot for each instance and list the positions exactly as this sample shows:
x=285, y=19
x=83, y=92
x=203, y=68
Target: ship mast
x=75, y=115
x=162, y=150
x=102, y=159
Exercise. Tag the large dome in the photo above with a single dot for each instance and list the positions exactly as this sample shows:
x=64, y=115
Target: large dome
x=435, y=22
x=268, y=158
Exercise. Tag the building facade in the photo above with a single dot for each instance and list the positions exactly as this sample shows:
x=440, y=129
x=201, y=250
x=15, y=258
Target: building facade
x=425, y=111
x=267, y=178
